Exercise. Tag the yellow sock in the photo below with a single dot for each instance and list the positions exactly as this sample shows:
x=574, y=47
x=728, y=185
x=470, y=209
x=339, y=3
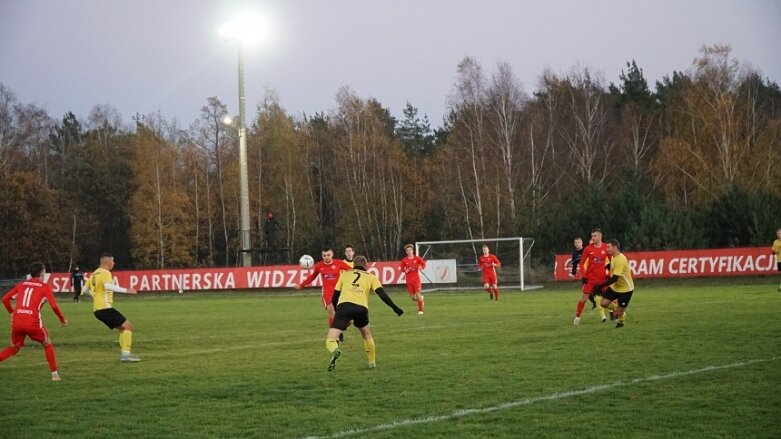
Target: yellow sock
x=371, y=352
x=600, y=308
x=622, y=317
x=612, y=306
x=331, y=344
x=125, y=340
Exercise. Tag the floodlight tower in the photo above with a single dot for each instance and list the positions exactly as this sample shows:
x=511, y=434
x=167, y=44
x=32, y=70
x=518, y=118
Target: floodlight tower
x=245, y=30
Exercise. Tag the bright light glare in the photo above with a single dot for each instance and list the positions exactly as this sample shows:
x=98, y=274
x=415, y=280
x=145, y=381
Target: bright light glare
x=227, y=120
x=248, y=29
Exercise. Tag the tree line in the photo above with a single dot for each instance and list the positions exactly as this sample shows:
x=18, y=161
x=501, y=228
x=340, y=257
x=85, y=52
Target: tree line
x=693, y=162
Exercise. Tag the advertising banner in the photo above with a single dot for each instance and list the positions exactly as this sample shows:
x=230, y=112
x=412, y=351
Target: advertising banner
x=249, y=278
x=744, y=261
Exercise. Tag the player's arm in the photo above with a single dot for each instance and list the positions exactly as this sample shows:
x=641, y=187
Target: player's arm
x=110, y=286
x=422, y=263
x=86, y=290
x=56, y=308
x=309, y=279
x=616, y=271
x=7, y=300
x=386, y=298
x=497, y=262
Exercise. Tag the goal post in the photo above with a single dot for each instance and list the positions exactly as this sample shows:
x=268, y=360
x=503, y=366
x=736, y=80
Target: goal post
x=452, y=265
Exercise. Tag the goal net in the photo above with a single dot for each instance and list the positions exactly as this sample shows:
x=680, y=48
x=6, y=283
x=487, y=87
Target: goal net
x=452, y=265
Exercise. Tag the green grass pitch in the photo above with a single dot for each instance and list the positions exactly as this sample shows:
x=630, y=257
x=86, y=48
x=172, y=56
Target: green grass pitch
x=696, y=359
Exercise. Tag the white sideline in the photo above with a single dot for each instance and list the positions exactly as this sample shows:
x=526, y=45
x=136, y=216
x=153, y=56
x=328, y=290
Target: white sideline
x=529, y=401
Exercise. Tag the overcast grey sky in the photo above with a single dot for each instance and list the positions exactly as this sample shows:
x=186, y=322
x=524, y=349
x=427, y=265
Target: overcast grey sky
x=153, y=55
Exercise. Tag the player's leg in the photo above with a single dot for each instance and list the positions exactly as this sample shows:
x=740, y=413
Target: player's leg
x=623, y=302
x=495, y=285
x=126, y=341
x=585, y=292
x=362, y=323
x=17, y=343
x=487, y=287
x=600, y=308
x=42, y=337
x=341, y=322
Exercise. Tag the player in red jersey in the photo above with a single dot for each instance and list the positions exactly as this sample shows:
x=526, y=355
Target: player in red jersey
x=411, y=266
x=488, y=263
x=328, y=269
x=30, y=295
x=593, y=266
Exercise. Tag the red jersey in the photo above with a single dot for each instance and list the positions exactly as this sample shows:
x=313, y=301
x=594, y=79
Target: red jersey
x=30, y=296
x=593, y=262
x=411, y=267
x=329, y=274
x=486, y=263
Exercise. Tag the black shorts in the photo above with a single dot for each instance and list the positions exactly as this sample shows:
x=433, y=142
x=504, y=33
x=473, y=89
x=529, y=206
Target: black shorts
x=111, y=317
x=622, y=298
x=350, y=311
x=778, y=265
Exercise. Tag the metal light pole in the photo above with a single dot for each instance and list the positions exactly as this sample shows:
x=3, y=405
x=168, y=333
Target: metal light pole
x=246, y=29
x=246, y=245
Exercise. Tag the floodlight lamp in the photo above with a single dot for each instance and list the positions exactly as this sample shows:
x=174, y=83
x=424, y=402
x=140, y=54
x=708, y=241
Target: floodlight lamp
x=227, y=120
x=247, y=29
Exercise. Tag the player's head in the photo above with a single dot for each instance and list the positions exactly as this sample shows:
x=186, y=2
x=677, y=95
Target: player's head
x=360, y=261
x=37, y=269
x=106, y=261
x=778, y=233
x=409, y=249
x=596, y=236
x=486, y=250
x=270, y=215
x=327, y=254
x=578, y=243
x=613, y=247
x=349, y=252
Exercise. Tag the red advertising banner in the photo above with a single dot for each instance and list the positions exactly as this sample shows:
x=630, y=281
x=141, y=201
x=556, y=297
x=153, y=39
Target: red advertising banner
x=742, y=261
x=212, y=279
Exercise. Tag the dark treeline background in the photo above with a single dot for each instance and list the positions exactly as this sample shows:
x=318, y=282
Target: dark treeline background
x=693, y=162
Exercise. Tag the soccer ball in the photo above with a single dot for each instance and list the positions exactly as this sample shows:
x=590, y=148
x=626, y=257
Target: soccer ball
x=180, y=291
x=306, y=261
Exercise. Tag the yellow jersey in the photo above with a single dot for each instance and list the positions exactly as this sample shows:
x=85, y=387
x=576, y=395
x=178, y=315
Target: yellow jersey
x=777, y=249
x=101, y=297
x=356, y=285
x=350, y=263
x=619, y=266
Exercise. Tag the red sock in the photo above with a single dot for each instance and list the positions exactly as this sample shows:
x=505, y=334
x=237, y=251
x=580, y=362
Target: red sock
x=490, y=291
x=580, y=309
x=49, y=351
x=420, y=304
x=8, y=352
x=496, y=293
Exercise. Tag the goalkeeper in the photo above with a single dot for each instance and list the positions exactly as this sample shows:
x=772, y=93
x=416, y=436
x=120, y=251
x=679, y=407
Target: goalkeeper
x=351, y=299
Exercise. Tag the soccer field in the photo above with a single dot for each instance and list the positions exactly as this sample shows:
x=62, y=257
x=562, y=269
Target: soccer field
x=697, y=360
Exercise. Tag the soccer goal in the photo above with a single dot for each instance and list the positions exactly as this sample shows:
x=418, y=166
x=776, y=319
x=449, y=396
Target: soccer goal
x=452, y=265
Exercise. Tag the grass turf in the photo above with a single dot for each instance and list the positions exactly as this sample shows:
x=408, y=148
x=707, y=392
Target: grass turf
x=254, y=365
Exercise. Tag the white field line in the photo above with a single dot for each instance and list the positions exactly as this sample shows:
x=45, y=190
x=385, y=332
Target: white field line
x=522, y=402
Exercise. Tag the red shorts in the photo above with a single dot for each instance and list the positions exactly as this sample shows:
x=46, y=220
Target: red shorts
x=36, y=333
x=413, y=287
x=327, y=296
x=489, y=278
x=589, y=286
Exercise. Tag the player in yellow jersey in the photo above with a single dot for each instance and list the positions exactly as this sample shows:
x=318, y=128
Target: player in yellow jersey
x=777, y=251
x=102, y=287
x=351, y=299
x=349, y=254
x=620, y=284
